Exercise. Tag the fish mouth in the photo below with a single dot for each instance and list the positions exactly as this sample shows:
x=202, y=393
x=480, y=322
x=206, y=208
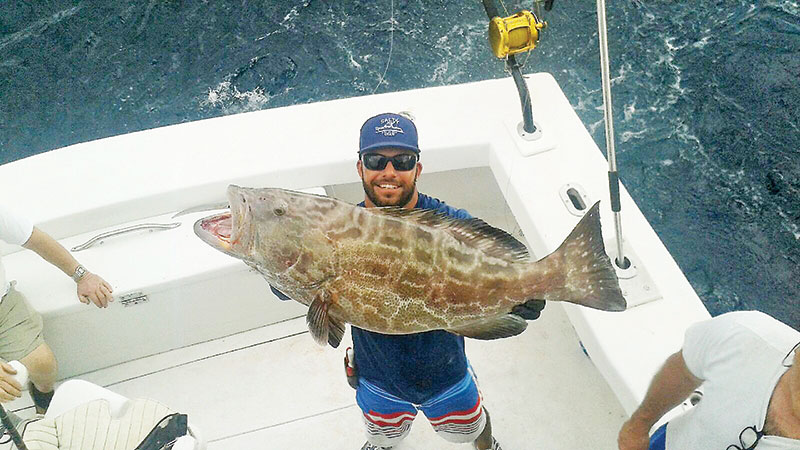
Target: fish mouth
x=216, y=231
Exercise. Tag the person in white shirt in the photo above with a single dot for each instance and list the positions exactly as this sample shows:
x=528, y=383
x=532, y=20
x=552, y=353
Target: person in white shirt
x=749, y=367
x=21, y=326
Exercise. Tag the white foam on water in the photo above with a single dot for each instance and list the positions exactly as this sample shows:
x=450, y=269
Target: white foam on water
x=440, y=72
x=623, y=70
x=667, y=59
x=353, y=63
x=593, y=126
x=703, y=41
x=467, y=39
x=788, y=224
x=629, y=111
x=791, y=7
x=287, y=21
x=230, y=100
x=38, y=26
x=628, y=135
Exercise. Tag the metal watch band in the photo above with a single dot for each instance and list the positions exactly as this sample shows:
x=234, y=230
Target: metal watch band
x=80, y=271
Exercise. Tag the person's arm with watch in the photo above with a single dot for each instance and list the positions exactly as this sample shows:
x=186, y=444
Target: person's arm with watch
x=91, y=287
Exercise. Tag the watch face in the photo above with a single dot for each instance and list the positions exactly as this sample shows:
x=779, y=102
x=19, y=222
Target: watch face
x=80, y=271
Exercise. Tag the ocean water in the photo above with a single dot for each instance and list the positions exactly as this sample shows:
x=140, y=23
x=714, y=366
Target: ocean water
x=706, y=97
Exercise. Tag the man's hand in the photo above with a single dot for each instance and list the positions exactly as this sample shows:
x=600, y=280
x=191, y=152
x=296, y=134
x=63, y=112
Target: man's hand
x=529, y=310
x=671, y=385
x=634, y=435
x=92, y=288
x=9, y=386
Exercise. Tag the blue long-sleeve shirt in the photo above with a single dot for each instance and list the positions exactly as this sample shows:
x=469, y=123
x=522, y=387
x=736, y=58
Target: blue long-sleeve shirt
x=414, y=367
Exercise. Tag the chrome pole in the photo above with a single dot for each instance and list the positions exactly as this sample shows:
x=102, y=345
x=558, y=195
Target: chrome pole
x=613, y=176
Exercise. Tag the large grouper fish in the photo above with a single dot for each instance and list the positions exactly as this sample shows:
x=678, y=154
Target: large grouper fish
x=398, y=271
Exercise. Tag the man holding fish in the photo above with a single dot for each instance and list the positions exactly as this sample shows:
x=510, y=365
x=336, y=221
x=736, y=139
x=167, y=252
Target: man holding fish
x=412, y=276
x=399, y=374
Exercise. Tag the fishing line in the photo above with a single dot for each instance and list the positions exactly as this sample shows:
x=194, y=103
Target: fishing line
x=504, y=7
x=391, y=46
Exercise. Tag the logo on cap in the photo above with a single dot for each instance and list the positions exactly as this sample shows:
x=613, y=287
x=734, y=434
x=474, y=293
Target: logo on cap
x=389, y=127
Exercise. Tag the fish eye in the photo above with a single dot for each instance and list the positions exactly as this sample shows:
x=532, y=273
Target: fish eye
x=280, y=209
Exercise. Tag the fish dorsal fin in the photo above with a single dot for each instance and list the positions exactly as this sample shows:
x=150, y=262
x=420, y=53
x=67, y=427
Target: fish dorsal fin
x=493, y=327
x=473, y=232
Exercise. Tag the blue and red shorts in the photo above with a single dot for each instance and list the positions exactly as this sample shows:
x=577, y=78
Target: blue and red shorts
x=456, y=414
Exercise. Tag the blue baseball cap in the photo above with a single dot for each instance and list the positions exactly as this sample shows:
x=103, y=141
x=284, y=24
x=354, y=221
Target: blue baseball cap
x=388, y=130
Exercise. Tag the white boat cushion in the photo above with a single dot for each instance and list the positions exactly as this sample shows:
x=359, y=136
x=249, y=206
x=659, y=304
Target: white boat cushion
x=91, y=427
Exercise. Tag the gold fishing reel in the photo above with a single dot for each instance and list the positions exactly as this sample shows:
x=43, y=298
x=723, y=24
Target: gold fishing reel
x=514, y=34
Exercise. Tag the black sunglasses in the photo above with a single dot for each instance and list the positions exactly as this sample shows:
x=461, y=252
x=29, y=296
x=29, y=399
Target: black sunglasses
x=787, y=361
x=748, y=439
x=402, y=162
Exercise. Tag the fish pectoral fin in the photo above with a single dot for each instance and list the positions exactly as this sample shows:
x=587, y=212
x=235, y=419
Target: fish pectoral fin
x=317, y=318
x=493, y=328
x=324, y=328
x=335, y=332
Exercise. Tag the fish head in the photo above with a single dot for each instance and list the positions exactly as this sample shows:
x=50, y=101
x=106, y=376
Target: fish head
x=269, y=229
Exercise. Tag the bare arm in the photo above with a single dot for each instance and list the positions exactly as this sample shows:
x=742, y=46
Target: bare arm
x=671, y=385
x=90, y=288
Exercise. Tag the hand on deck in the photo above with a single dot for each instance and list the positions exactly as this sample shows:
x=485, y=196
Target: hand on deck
x=92, y=288
x=9, y=386
x=634, y=435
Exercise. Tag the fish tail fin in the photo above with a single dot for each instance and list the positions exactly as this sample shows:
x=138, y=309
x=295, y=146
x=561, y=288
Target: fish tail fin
x=589, y=275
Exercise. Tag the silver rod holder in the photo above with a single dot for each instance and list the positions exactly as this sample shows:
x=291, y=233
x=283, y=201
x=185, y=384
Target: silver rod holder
x=609, y=123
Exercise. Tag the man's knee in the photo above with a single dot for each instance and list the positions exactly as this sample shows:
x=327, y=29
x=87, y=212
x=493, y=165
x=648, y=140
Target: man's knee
x=459, y=428
x=387, y=431
x=41, y=364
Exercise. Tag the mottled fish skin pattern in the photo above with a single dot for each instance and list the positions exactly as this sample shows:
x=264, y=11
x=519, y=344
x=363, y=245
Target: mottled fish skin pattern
x=386, y=273
x=397, y=276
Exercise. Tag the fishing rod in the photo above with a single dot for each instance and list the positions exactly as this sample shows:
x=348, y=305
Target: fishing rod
x=520, y=33
x=11, y=429
x=511, y=35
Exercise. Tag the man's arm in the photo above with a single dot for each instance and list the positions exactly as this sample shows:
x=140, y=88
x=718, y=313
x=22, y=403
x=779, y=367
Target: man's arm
x=670, y=386
x=90, y=287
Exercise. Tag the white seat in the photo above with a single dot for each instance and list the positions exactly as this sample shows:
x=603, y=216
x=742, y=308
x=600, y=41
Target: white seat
x=84, y=416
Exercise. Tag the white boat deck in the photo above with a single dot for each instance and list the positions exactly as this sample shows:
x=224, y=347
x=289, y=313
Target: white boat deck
x=274, y=388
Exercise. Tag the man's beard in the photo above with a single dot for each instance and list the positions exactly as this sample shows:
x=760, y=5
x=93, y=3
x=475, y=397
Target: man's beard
x=404, y=199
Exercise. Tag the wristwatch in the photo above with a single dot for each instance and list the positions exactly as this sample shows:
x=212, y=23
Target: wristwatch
x=80, y=271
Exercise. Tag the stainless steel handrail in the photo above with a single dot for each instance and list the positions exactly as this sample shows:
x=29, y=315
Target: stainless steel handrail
x=108, y=234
